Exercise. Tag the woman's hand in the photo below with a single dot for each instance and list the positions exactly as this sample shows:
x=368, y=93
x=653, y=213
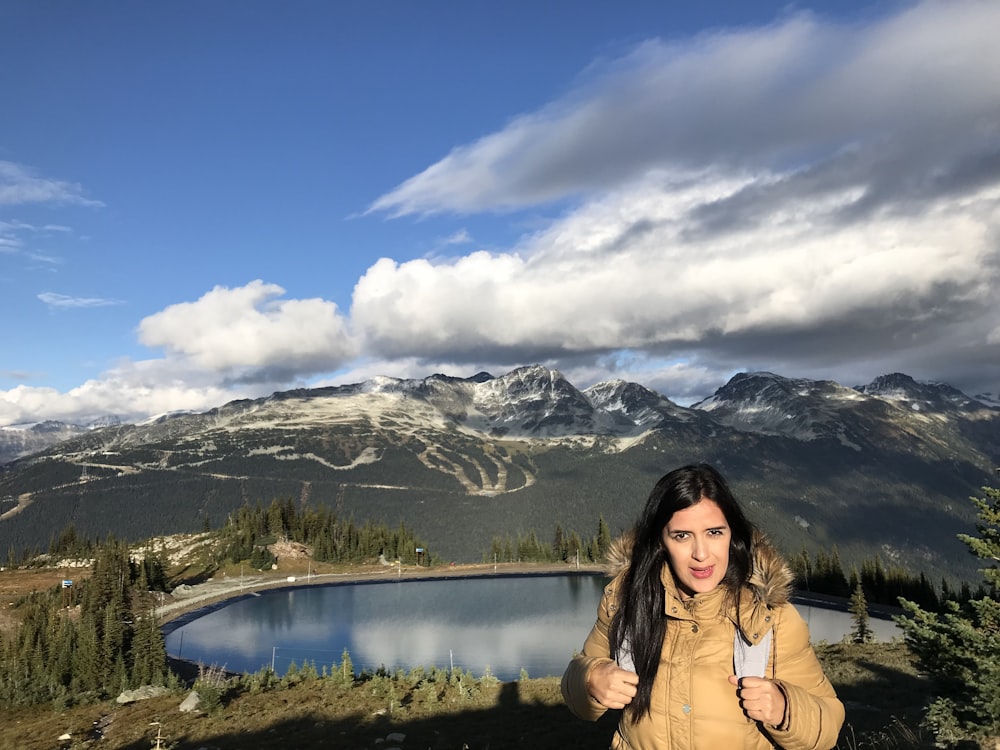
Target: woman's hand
x=760, y=699
x=612, y=686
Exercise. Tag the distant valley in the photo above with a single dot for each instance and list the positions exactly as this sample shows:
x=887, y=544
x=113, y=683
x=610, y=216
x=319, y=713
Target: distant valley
x=885, y=468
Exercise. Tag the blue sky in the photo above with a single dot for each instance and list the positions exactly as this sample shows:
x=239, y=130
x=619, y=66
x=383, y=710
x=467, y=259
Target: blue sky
x=202, y=201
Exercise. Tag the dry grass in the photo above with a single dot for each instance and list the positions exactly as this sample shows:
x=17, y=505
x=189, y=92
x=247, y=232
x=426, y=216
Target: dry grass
x=320, y=714
x=877, y=683
x=882, y=692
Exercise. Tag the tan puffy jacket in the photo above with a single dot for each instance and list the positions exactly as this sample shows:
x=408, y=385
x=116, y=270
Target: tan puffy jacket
x=693, y=705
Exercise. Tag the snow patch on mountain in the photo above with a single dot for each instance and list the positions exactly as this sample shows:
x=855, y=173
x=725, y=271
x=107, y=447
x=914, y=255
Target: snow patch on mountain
x=536, y=403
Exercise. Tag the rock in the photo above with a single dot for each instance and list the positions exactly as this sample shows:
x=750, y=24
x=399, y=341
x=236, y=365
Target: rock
x=191, y=703
x=141, y=693
x=396, y=737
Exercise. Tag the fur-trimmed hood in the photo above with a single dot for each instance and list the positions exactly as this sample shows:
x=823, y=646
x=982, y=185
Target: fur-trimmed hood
x=770, y=582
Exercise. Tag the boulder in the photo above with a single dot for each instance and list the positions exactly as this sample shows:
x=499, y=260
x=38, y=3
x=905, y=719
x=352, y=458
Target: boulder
x=191, y=703
x=142, y=693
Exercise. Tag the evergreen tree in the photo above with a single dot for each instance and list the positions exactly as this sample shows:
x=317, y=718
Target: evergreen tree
x=262, y=558
x=55, y=656
x=574, y=547
x=559, y=543
x=959, y=648
x=275, y=520
x=802, y=566
x=148, y=654
x=603, y=538
x=86, y=677
x=986, y=546
x=346, y=670
x=861, y=631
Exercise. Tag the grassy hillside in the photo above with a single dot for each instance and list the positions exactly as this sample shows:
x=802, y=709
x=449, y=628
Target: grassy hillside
x=438, y=712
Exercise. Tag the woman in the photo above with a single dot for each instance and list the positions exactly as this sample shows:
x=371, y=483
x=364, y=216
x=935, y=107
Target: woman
x=695, y=636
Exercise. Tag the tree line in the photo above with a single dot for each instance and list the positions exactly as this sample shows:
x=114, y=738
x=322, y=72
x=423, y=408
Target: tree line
x=821, y=572
x=87, y=640
x=247, y=533
x=564, y=547
x=881, y=583
x=94, y=638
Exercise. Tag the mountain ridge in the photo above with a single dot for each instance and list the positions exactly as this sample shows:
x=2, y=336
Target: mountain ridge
x=878, y=469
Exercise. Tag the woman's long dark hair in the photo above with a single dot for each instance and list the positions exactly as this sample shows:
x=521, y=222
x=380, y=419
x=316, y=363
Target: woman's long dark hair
x=639, y=622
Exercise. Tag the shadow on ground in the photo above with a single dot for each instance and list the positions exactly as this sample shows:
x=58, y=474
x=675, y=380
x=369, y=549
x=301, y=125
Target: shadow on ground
x=510, y=723
x=886, y=698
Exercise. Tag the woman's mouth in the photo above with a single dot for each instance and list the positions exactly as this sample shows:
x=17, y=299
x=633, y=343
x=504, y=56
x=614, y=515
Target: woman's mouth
x=702, y=573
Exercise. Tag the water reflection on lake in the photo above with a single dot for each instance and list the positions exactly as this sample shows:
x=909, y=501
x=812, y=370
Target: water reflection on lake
x=502, y=623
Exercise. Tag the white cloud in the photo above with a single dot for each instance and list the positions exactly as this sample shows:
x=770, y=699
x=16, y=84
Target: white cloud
x=246, y=333
x=21, y=185
x=63, y=301
x=461, y=237
x=767, y=98
x=229, y=344
x=638, y=270
x=51, y=260
x=132, y=391
x=798, y=195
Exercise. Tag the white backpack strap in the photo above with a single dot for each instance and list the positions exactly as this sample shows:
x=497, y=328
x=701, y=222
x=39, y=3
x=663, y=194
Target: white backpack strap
x=625, y=656
x=751, y=660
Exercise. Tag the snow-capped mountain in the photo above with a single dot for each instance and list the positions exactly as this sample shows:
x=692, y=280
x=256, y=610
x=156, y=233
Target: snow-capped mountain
x=925, y=397
x=636, y=405
x=23, y=440
x=882, y=468
x=770, y=404
x=932, y=419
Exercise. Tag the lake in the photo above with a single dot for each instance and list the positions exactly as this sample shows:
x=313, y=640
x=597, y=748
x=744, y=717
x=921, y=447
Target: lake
x=500, y=623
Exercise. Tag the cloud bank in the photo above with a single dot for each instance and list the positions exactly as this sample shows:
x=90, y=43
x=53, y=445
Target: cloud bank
x=818, y=199
x=877, y=105
x=789, y=196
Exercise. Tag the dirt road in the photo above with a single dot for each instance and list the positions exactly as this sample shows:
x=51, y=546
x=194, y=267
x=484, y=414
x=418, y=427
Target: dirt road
x=185, y=598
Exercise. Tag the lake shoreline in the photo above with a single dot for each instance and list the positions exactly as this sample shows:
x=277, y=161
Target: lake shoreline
x=185, y=603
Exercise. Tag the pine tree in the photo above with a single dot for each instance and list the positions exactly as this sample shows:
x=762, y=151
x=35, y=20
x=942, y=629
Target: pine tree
x=861, y=632
x=148, y=654
x=603, y=538
x=86, y=677
x=987, y=545
x=559, y=543
x=959, y=648
x=346, y=670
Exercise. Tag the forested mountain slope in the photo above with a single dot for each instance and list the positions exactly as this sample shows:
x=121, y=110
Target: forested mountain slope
x=882, y=469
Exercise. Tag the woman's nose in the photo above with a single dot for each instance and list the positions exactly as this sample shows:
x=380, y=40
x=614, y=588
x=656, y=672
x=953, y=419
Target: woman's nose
x=700, y=549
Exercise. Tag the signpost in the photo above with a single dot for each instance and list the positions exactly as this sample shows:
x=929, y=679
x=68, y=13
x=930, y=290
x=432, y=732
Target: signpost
x=67, y=592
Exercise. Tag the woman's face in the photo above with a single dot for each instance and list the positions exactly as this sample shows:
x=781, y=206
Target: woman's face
x=697, y=544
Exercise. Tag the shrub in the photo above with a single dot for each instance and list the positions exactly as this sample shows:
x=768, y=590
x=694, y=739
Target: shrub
x=211, y=685
x=959, y=648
